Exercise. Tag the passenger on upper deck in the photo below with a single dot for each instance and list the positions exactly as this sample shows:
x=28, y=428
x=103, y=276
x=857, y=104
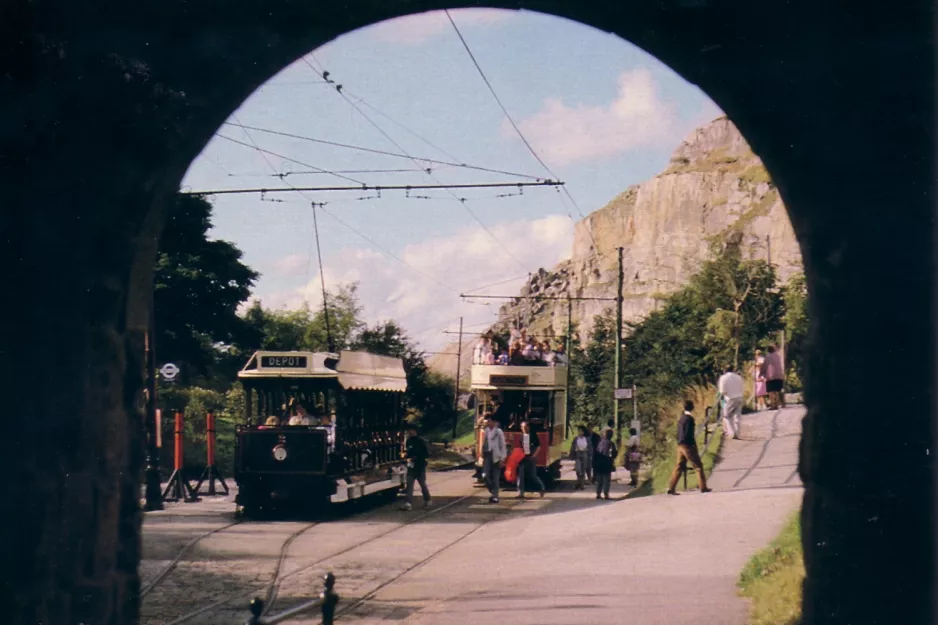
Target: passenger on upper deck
x=272, y=422
x=560, y=357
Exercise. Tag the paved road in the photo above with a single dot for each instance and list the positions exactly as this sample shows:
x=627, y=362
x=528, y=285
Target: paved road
x=567, y=559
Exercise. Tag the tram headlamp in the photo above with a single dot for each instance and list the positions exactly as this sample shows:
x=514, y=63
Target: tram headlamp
x=280, y=453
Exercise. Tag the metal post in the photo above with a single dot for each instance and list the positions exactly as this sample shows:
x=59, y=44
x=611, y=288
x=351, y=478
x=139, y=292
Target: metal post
x=618, y=354
x=329, y=599
x=456, y=390
x=178, y=485
x=211, y=472
x=154, y=499
x=569, y=349
x=634, y=402
x=768, y=249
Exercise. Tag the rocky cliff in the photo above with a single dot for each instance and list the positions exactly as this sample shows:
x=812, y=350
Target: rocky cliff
x=713, y=189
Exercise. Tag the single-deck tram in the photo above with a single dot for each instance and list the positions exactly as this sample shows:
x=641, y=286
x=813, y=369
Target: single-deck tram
x=319, y=428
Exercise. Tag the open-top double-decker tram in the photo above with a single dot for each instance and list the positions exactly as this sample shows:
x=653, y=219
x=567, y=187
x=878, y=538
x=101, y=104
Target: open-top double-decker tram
x=319, y=428
x=536, y=394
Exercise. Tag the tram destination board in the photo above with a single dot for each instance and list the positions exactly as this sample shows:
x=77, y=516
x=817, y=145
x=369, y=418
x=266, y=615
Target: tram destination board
x=508, y=380
x=283, y=362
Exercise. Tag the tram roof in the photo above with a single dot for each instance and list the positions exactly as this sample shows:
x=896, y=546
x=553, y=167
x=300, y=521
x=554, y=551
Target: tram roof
x=515, y=377
x=353, y=370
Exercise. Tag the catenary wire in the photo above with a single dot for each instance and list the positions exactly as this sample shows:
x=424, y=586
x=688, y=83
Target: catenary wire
x=511, y=120
x=361, y=234
x=286, y=158
x=348, y=146
x=461, y=201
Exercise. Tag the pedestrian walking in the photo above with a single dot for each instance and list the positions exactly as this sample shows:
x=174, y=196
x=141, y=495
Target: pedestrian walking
x=527, y=470
x=633, y=458
x=687, y=450
x=416, y=451
x=581, y=452
x=774, y=373
x=758, y=382
x=730, y=396
x=493, y=452
x=604, y=464
x=594, y=441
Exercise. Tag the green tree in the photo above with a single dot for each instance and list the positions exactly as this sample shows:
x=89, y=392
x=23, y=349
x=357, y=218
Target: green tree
x=592, y=368
x=429, y=395
x=795, y=293
x=303, y=329
x=743, y=303
x=198, y=286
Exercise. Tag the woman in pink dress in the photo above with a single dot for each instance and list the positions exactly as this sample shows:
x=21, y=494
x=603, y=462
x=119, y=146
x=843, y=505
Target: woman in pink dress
x=758, y=382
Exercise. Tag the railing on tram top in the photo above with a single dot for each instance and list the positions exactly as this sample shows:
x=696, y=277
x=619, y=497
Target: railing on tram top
x=325, y=602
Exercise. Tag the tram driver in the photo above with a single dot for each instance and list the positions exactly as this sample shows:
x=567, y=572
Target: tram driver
x=301, y=417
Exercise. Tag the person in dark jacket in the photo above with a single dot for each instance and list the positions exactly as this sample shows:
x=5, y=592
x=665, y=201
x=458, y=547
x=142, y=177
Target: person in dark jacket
x=687, y=450
x=595, y=439
x=416, y=452
x=604, y=458
x=527, y=469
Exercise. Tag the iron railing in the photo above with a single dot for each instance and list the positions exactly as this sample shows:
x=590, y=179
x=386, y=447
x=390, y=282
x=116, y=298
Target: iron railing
x=326, y=602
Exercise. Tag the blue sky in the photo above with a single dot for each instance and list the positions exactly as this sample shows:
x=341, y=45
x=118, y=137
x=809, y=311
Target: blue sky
x=600, y=112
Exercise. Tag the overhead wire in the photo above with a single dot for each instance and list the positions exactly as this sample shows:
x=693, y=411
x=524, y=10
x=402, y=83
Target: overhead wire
x=461, y=201
x=281, y=156
x=512, y=121
x=402, y=154
x=355, y=230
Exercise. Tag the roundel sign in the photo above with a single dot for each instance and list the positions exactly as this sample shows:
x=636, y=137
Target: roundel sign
x=169, y=371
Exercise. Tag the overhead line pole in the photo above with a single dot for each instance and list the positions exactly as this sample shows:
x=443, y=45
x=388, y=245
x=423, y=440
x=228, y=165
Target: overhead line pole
x=569, y=348
x=456, y=392
x=618, y=354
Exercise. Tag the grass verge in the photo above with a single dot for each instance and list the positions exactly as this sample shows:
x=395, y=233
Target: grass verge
x=772, y=579
x=655, y=480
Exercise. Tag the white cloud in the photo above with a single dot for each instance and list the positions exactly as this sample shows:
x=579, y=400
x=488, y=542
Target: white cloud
x=417, y=29
x=463, y=261
x=637, y=118
x=291, y=265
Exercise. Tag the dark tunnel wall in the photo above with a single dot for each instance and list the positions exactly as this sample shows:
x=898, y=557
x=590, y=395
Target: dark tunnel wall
x=105, y=104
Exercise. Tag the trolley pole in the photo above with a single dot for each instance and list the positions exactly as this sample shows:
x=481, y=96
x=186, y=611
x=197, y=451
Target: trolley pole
x=618, y=354
x=154, y=498
x=456, y=389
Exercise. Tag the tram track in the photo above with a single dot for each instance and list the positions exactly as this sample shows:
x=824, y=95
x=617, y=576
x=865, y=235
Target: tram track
x=179, y=555
x=281, y=573
x=373, y=592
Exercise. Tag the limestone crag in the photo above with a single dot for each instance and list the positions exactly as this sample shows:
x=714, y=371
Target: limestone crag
x=714, y=189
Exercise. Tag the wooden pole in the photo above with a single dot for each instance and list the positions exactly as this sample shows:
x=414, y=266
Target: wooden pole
x=569, y=349
x=456, y=389
x=618, y=343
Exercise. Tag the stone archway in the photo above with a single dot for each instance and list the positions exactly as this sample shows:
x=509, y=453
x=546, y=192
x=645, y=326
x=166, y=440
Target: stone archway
x=108, y=104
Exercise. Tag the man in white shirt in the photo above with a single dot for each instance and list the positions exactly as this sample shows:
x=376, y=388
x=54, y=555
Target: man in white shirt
x=493, y=452
x=730, y=391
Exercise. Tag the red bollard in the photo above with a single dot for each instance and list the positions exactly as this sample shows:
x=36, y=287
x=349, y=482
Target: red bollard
x=211, y=472
x=178, y=485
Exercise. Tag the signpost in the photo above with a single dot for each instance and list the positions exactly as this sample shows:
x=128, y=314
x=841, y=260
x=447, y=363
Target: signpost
x=623, y=393
x=169, y=372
